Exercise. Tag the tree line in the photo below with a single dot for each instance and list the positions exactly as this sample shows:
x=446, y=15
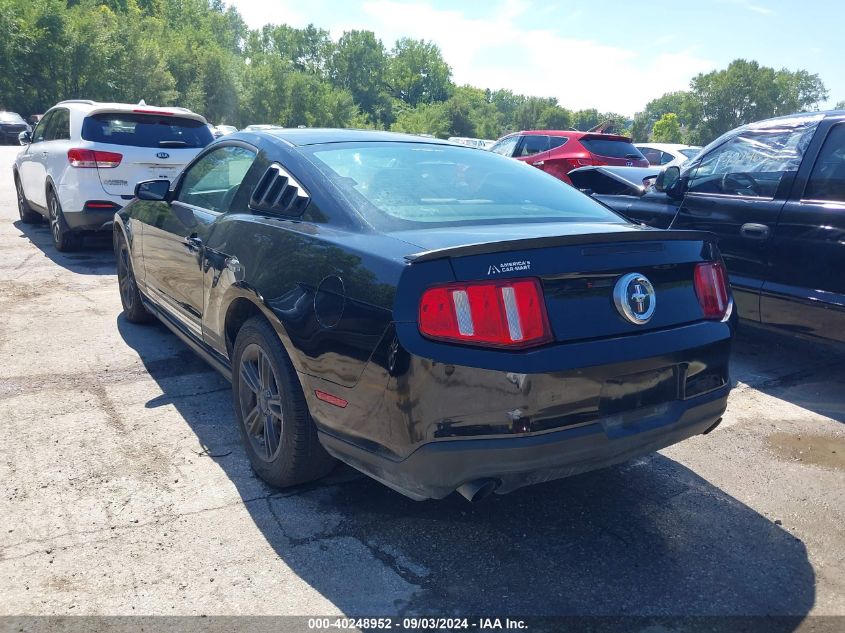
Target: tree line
x=201, y=55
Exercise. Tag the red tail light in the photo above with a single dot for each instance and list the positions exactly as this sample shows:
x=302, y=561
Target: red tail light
x=93, y=158
x=509, y=313
x=711, y=287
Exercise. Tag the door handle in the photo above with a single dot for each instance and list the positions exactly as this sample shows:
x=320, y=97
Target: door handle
x=754, y=231
x=192, y=244
x=43, y=154
x=539, y=163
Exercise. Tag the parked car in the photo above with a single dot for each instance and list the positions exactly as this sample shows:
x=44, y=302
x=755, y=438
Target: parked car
x=440, y=318
x=627, y=190
x=82, y=162
x=259, y=127
x=667, y=154
x=223, y=130
x=557, y=152
x=774, y=194
x=11, y=127
x=477, y=143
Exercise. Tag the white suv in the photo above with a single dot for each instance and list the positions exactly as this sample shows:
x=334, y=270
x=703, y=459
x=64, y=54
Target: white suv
x=82, y=161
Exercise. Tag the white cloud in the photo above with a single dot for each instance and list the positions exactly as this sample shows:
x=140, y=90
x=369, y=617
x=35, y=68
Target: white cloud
x=496, y=52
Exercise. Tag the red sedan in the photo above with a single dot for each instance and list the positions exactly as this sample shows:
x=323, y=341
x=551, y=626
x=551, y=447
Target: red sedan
x=560, y=151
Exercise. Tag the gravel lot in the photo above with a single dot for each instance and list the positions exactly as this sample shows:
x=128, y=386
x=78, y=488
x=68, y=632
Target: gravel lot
x=125, y=489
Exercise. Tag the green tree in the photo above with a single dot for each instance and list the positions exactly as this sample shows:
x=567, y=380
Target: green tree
x=667, y=129
x=746, y=91
x=417, y=72
x=358, y=63
x=427, y=118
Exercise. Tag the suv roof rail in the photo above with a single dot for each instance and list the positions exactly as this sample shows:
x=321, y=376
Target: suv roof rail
x=85, y=101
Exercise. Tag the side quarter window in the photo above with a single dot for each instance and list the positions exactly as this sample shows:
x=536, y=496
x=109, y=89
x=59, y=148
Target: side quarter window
x=827, y=182
x=753, y=163
x=213, y=181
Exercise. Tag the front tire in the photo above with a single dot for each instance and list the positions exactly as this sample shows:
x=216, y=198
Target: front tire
x=28, y=216
x=279, y=435
x=130, y=296
x=63, y=238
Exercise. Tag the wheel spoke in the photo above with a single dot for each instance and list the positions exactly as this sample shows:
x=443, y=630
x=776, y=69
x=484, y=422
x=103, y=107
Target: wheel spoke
x=249, y=374
x=253, y=421
x=274, y=404
x=264, y=370
x=271, y=440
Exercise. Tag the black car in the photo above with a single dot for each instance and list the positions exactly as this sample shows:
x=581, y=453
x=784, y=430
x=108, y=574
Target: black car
x=11, y=125
x=437, y=317
x=774, y=194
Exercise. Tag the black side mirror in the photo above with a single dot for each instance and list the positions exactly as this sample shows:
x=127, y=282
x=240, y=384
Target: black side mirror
x=25, y=138
x=153, y=190
x=668, y=179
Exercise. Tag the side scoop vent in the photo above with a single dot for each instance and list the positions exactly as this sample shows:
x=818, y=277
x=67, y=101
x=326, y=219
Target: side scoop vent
x=279, y=192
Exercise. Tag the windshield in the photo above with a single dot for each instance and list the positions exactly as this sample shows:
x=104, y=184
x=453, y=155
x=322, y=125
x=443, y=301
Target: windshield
x=145, y=130
x=10, y=117
x=408, y=185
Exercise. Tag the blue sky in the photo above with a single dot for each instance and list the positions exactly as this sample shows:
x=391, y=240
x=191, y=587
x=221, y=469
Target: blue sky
x=612, y=55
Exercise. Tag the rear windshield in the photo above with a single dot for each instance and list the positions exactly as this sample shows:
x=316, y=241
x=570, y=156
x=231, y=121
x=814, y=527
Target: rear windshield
x=611, y=148
x=10, y=117
x=408, y=185
x=691, y=153
x=145, y=130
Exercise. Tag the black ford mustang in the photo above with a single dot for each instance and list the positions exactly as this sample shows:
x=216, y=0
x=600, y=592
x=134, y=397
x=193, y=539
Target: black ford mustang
x=438, y=317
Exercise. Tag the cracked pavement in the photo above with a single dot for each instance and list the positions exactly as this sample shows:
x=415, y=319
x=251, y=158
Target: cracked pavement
x=125, y=489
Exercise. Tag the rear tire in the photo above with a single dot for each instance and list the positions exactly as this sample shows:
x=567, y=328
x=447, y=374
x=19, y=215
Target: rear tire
x=28, y=216
x=63, y=238
x=130, y=296
x=277, y=430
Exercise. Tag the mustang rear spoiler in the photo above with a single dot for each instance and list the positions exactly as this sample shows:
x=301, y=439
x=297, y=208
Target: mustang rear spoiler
x=483, y=248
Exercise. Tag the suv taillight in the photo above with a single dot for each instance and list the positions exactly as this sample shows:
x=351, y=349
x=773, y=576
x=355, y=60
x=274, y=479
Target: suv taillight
x=93, y=158
x=575, y=163
x=509, y=313
x=712, y=290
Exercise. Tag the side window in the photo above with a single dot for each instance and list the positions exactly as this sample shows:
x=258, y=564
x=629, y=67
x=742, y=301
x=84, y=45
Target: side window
x=40, y=130
x=753, y=163
x=665, y=158
x=505, y=146
x=213, y=181
x=557, y=141
x=59, y=129
x=827, y=182
x=533, y=144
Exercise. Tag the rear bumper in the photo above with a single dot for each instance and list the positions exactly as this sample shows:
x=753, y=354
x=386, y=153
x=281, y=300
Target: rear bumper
x=437, y=468
x=90, y=220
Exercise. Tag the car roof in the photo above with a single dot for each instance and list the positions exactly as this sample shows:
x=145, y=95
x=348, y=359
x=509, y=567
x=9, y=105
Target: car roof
x=87, y=106
x=320, y=136
x=569, y=133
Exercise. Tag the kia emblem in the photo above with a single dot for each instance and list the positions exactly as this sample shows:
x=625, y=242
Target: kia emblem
x=162, y=155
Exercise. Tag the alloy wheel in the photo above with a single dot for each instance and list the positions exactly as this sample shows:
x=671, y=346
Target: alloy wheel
x=55, y=218
x=260, y=402
x=125, y=277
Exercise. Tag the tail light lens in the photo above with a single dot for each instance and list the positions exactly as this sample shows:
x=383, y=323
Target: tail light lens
x=711, y=287
x=508, y=313
x=93, y=158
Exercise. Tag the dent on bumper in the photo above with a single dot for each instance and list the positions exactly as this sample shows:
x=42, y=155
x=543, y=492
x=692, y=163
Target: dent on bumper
x=437, y=468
